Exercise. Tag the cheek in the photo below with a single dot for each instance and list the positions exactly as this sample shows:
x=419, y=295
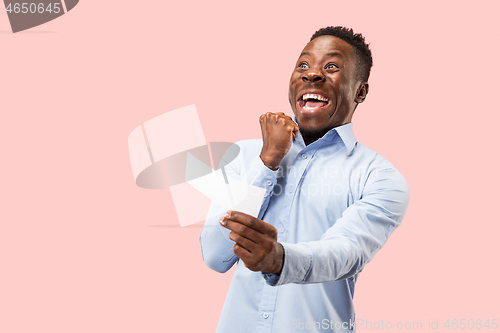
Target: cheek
x=349, y=94
x=290, y=93
x=291, y=88
x=341, y=90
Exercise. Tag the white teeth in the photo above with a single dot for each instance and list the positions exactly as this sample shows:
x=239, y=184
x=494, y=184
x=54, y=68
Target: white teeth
x=314, y=96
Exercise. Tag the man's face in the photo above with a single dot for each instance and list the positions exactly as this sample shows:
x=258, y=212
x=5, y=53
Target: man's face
x=323, y=86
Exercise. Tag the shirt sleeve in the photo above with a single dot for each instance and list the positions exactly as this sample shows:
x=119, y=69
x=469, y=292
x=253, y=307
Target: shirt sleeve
x=346, y=247
x=216, y=247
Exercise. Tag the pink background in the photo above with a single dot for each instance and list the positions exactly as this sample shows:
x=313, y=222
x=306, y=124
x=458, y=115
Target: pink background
x=83, y=249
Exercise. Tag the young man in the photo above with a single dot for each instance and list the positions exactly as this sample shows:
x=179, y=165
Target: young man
x=330, y=202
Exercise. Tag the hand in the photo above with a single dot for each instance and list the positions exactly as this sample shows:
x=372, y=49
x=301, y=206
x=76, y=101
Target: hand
x=256, y=242
x=278, y=131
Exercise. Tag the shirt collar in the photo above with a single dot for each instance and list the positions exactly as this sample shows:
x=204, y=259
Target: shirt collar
x=345, y=133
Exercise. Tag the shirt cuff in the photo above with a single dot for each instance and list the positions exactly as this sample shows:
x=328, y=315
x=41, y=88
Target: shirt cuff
x=271, y=278
x=296, y=267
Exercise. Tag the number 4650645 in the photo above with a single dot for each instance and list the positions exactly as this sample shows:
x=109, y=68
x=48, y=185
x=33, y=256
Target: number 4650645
x=33, y=8
x=471, y=324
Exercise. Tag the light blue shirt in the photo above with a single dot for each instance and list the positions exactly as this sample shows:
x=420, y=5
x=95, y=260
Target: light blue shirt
x=334, y=203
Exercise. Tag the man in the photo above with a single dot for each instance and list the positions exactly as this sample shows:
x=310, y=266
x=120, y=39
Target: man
x=330, y=202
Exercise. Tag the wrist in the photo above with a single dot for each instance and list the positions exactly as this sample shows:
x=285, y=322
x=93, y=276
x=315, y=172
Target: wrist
x=280, y=259
x=271, y=160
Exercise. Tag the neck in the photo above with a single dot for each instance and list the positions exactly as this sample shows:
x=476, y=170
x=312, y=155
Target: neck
x=308, y=139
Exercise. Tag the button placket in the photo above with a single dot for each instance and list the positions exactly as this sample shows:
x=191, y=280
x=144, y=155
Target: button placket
x=290, y=190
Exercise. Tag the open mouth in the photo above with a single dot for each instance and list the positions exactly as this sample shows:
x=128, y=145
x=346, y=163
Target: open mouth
x=312, y=102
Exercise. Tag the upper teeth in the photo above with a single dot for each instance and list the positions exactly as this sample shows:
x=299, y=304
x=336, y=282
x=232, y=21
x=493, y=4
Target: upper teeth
x=314, y=96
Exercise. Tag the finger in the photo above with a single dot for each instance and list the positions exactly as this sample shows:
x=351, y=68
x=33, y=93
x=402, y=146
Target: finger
x=282, y=120
x=292, y=126
x=263, y=123
x=249, y=221
x=287, y=120
x=246, y=243
x=244, y=255
x=282, y=115
x=275, y=117
x=243, y=231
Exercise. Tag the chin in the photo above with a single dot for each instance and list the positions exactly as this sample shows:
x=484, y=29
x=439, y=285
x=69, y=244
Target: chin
x=316, y=133
x=311, y=129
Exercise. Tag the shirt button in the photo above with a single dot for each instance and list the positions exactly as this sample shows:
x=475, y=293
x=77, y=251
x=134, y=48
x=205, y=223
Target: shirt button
x=265, y=195
x=269, y=183
x=265, y=315
x=304, y=156
x=282, y=230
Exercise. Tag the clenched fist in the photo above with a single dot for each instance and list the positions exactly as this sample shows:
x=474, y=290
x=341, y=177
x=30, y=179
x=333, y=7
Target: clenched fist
x=278, y=131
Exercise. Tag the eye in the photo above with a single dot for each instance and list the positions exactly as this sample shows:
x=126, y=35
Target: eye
x=331, y=66
x=303, y=65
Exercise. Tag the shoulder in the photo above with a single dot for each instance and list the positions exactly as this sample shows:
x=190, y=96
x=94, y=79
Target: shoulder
x=370, y=157
x=378, y=169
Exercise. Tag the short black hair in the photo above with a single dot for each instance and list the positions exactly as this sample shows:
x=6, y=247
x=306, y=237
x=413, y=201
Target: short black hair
x=357, y=41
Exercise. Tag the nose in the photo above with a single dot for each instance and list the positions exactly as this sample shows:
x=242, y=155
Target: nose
x=313, y=76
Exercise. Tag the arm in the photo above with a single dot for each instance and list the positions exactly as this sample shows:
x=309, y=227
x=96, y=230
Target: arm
x=278, y=131
x=355, y=238
x=343, y=250
x=216, y=246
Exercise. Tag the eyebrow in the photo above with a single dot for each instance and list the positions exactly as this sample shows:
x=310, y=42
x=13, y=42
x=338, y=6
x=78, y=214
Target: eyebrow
x=335, y=54
x=329, y=54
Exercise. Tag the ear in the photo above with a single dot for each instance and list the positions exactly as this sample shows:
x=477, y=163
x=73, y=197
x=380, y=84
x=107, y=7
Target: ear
x=362, y=92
